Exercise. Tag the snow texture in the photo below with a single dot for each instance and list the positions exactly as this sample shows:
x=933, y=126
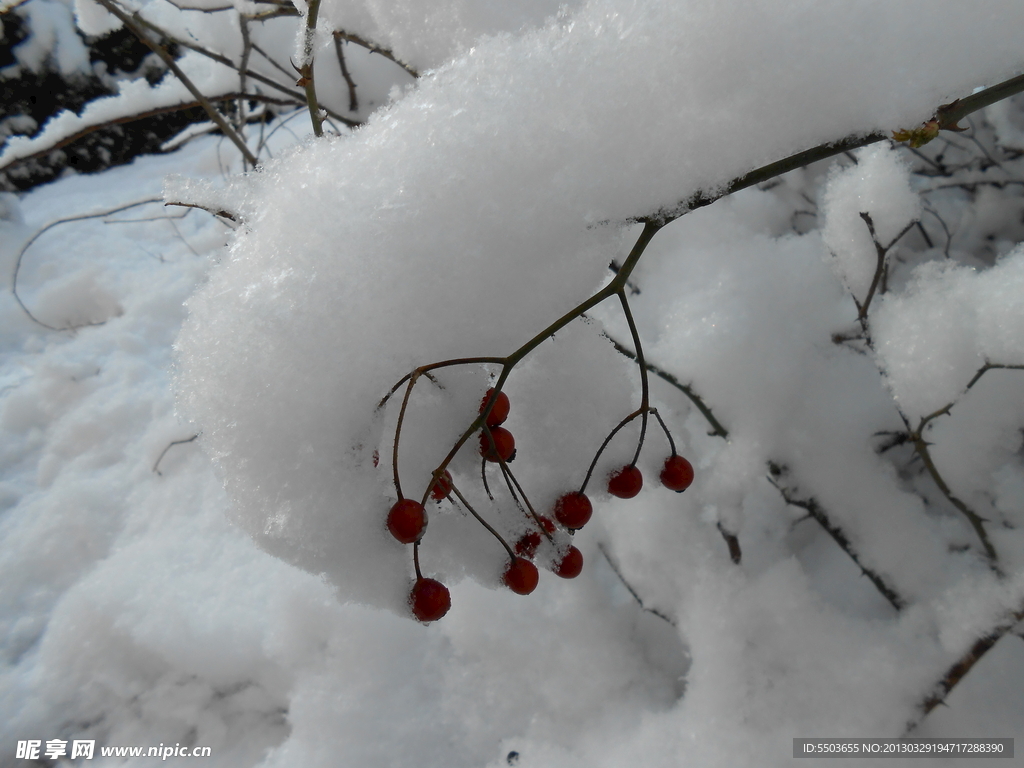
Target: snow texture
x=463, y=214
x=221, y=388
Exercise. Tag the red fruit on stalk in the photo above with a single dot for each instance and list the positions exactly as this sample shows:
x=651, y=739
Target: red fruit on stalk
x=677, y=474
x=571, y=565
x=407, y=520
x=529, y=541
x=521, y=576
x=500, y=410
x=499, y=446
x=527, y=544
x=573, y=510
x=626, y=482
x=429, y=599
x=546, y=524
x=442, y=488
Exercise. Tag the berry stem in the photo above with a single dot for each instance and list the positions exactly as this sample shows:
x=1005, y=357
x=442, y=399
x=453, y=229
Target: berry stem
x=483, y=478
x=416, y=559
x=614, y=287
x=645, y=393
x=604, y=445
x=398, y=434
x=483, y=522
x=717, y=430
x=664, y=427
x=510, y=478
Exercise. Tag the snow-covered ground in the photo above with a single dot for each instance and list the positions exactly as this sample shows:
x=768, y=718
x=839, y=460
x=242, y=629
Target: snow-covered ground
x=240, y=591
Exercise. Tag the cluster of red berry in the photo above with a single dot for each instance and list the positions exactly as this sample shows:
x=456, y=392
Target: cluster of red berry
x=407, y=520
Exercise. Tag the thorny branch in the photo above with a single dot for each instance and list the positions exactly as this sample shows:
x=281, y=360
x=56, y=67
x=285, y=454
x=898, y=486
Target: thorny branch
x=815, y=511
x=959, y=669
x=306, y=69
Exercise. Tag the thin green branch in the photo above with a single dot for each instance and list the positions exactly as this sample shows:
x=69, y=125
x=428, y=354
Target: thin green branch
x=946, y=117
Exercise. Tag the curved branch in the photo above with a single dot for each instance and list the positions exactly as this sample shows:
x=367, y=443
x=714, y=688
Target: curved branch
x=51, y=225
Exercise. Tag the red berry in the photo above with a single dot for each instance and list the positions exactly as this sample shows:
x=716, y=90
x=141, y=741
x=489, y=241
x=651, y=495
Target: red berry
x=498, y=445
x=500, y=410
x=442, y=488
x=521, y=576
x=677, y=474
x=529, y=541
x=573, y=510
x=570, y=566
x=527, y=544
x=626, y=483
x=429, y=600
x=407, y=520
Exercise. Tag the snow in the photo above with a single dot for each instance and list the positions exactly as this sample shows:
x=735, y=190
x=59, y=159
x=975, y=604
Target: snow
x=239, y=590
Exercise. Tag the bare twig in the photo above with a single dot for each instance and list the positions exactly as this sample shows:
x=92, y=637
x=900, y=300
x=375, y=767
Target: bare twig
x=374, y=48
x=945, y=228
x=51, y=225
x=964, y=664
x=353, y=100
x=976, y=521
x=222, y=214
x=163, y=453
x=73, y=137
x=815, y=511
x=990, y=367
x=629, y=587
x=717, y=429
x=881, y=252
x=242, y=108
x=160, y=51
x=732, y=542
x=306, y=79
